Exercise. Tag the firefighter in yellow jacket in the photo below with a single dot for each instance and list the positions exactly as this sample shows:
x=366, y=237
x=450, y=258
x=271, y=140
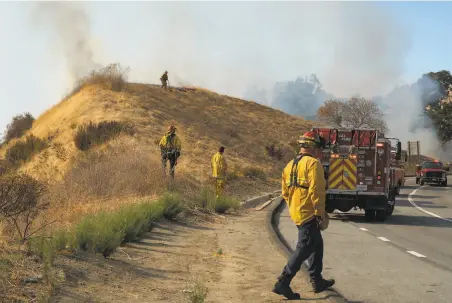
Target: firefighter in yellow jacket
x=164, y=79
x=219, y=169
x=303, y=189
x=170, y=148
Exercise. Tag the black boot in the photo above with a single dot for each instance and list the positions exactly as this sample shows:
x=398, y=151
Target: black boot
x=282, y=287
x=320, y=284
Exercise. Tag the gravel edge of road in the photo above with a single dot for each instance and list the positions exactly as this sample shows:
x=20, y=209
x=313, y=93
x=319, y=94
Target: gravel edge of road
x=281, y=244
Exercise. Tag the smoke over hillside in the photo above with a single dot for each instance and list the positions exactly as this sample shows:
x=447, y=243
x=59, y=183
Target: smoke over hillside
x=71, y=24
x=353, y=48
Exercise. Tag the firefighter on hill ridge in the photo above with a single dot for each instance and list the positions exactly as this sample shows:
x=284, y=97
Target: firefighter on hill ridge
x=164, y=79
x=170, y=148
x=219, y=169
x=303, y=189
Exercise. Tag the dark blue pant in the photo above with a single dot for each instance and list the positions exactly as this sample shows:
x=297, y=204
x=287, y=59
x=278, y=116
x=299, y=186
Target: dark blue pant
x=309, y=247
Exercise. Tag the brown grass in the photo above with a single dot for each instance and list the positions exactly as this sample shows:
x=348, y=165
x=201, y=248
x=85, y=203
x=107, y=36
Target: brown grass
x=112, y=76
x=126, y=168
x=204, y=120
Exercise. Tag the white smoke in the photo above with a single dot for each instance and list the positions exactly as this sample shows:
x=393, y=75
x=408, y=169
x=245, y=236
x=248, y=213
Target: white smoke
x=71, y=24
x=353, y=48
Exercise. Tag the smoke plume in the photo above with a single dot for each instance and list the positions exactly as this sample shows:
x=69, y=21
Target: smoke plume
x=353, y=48
x=71, y=24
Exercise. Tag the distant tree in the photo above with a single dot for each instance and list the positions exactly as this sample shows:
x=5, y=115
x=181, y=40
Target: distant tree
x=300, y=97
x=18, y=126
x=441, y=115
x=331, y=112
x=356, y=112
x=437, y=99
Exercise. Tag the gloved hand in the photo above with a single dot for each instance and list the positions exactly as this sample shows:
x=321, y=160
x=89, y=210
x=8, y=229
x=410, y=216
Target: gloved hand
x=319, y=220
x=322, y=222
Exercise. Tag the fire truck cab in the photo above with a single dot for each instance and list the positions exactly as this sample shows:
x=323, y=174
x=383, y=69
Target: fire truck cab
x=357, y=168
x=431, y=172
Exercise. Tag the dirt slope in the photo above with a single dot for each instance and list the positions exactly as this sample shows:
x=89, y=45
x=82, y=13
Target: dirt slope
x=232, y=257
x=204, y=120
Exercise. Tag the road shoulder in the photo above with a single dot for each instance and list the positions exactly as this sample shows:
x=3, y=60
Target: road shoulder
x=232, y=256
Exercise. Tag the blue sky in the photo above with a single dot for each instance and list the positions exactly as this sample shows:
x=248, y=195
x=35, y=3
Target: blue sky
x=353, y=47
x=430, y=23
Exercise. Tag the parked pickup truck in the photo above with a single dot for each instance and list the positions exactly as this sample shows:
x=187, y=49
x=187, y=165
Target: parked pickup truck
x=431, y=172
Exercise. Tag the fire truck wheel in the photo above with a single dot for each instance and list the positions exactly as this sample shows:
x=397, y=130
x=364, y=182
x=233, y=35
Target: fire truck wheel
x=381, y=215
x=369, y=214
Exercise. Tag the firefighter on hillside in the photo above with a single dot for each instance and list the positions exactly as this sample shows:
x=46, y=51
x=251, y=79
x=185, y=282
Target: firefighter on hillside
x=303, y=189
x=164, y=79
x=170, y=147
x=219, y=169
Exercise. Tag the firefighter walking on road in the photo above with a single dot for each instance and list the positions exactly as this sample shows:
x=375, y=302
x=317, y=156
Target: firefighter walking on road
x=219, y=169
x=170, y=148
x=164, y=79
x=303, y=189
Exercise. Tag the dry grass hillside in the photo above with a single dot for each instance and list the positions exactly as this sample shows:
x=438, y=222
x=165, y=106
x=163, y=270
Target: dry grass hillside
x=204, y=120
x=100, y=183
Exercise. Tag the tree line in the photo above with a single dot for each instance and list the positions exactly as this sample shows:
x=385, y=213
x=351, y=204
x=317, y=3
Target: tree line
x=435, y=89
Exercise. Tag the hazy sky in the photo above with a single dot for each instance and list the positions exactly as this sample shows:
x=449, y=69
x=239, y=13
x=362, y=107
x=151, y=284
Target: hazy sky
x=353, y=47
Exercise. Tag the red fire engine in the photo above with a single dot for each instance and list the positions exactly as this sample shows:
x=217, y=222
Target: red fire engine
x=357, y=168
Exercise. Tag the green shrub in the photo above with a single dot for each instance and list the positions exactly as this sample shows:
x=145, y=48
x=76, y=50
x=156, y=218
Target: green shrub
x=102, y=233
x=139, y=218
x=131, y=222
x=91, y=134
x=18, y=126
x=153, y=211
x=171, y=205
x=205, y=198
x=225, y=203
x=198, y=293
x=105, y=231
x=23, y=151
x=254, y=173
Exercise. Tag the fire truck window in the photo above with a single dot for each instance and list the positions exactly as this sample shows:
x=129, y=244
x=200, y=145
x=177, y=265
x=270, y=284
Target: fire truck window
x=432, y=165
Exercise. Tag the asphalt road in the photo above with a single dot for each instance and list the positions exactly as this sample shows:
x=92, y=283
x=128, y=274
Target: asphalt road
x=408, y=258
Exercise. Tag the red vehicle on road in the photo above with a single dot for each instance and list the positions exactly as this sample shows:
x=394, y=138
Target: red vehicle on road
x=357, y=164
x=431, y=172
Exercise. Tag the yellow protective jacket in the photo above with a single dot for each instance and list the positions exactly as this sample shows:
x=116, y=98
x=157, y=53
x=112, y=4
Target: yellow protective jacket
x=170, y=141
x=305, y=194
x=219, y=165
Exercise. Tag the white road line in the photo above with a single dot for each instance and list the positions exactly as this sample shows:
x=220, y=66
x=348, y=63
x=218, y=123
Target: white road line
x=415, y=254
x=383, y=239
x=410, y=199
x=363, y=229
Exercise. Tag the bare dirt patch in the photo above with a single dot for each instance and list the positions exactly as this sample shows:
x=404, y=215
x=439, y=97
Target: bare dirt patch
x=231, y=257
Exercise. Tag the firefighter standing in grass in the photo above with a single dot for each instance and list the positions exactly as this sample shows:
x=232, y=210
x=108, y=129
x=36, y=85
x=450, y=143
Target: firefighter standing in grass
x=219, y=169
x=170, y=148
x=164, y=79
x=303, y=189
